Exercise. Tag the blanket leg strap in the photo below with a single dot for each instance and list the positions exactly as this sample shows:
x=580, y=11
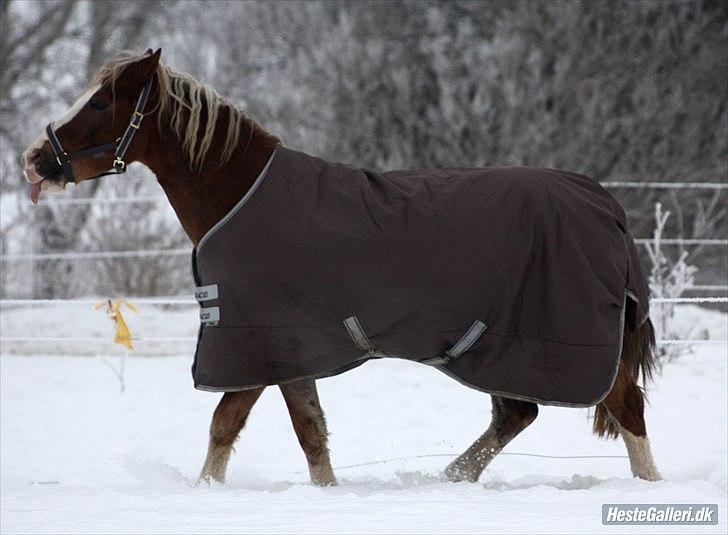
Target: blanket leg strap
x=460, y=347
x=362, y=341
x=357, y=334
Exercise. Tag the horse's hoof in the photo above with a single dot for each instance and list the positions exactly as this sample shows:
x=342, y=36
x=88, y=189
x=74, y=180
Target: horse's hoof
x=650, y=474
x=322, y=475
x=458, y=471
x=209, y=479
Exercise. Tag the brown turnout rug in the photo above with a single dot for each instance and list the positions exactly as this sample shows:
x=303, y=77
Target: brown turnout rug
x=512, y=280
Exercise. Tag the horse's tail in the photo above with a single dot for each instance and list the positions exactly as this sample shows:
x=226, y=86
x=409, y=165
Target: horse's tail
x=638, y=351
x=638, y=358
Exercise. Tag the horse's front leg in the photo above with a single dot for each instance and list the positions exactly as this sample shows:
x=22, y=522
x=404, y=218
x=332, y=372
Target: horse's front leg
x=510, y=417
x=227, y=421
x=310, y=426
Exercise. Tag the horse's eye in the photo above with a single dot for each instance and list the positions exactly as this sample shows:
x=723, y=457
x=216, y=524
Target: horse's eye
x=98, y=105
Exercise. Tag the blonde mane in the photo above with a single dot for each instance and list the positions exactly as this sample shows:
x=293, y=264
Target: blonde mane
x=182, y=99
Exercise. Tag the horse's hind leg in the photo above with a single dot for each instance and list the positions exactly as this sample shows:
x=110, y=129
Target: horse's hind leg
x=623, y=413
x=310, y=426
x=510, y=417
x=227, y=421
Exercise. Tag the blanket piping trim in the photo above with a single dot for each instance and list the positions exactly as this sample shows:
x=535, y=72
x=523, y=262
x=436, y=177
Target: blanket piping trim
x=240, y=204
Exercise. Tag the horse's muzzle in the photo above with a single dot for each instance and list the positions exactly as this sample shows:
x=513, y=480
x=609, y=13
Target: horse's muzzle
x=50, y=170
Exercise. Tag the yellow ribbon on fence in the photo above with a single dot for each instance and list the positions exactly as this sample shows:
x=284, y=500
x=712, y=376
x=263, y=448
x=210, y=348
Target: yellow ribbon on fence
x=122, y=334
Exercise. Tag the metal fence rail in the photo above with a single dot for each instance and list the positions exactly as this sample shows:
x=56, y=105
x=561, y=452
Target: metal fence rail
x=163, y=301
x=182, y=300
x=666, y=185
x=190, y=339
x=627, y=184
x=135, y=253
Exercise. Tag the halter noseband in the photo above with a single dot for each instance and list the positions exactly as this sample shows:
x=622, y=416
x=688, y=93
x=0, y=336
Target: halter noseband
x=119, y=146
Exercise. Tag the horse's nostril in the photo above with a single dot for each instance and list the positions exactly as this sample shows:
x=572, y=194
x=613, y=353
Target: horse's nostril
x=49, y=169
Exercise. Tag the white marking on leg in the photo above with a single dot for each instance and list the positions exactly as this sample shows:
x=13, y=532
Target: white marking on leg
x=640, y=456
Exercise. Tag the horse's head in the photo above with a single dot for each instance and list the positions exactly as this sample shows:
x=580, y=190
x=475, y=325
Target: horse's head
x=96, y=133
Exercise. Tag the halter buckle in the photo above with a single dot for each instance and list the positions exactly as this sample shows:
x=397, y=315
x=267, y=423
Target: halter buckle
x=119, y=165
x=58, y=158
x=136, y=120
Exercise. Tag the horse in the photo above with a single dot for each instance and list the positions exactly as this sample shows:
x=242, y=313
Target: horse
x=206, y=154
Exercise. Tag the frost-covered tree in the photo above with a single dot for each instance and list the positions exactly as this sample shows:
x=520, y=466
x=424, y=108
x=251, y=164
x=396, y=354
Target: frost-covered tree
x=617, y=89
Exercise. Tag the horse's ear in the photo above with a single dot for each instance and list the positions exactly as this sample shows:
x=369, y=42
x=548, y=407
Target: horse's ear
x=140, y=71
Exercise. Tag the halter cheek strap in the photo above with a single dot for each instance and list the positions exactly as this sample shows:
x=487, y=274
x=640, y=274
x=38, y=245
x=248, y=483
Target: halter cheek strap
x=119, y=146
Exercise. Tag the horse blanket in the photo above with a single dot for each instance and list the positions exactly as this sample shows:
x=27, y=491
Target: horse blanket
x=512, y=280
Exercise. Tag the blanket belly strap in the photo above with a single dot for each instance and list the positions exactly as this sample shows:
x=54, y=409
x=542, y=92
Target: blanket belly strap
x=362, y=341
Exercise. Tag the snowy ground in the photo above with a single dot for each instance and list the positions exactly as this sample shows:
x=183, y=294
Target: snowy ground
x=76, y=455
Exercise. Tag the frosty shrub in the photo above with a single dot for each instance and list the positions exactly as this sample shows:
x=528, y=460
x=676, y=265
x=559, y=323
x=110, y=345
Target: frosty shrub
x=669, y=278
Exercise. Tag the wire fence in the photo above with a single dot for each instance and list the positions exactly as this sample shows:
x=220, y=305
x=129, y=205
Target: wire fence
x=666, y=185
x=141, y=199
x=77, y=255
x=136, y=253
x=187, y=301
x=689, y=300
x=181, y=300
x=709, y=287
x=681, y=241
x=174, y=300
x=452, y=455
x=191, y=340
x=92, y=255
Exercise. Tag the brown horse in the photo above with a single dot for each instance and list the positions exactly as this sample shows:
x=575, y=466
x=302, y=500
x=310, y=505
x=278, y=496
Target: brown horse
x=206, y=154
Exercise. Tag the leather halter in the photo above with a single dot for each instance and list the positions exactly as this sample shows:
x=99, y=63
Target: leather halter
x=119, y=146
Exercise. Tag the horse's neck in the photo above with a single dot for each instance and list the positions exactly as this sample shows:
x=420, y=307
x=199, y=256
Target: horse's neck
x=201, y=199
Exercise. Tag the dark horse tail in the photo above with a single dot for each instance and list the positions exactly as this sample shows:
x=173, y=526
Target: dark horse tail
x=637, y=358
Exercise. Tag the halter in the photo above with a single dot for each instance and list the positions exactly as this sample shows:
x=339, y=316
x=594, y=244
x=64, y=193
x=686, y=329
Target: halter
x=119, y=146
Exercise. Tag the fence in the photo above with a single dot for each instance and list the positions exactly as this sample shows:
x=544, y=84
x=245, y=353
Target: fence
x=186, y=301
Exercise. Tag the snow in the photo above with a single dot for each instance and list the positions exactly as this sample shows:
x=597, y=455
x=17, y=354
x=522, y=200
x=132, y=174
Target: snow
x=78, y=456
x=81, y=320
